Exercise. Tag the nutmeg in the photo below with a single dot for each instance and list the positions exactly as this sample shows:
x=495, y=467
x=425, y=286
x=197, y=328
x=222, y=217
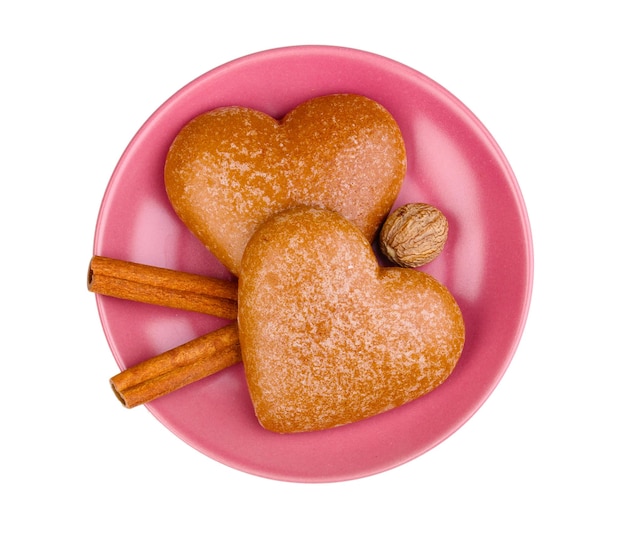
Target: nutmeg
x=413, y=234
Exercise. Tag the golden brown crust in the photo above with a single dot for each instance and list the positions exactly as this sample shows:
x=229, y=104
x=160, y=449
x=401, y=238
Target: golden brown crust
x=327, y=336
x=230, y=169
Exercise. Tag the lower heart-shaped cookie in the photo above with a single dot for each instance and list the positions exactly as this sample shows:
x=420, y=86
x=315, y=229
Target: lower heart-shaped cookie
x=327, y=336
x=231, y=168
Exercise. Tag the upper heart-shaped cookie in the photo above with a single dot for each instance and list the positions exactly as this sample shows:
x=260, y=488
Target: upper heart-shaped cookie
x=327, y=336
x=230, y=169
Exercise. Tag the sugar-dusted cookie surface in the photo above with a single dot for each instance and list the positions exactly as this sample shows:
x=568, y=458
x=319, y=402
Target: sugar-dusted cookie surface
x=327, y=336
x=230, y=169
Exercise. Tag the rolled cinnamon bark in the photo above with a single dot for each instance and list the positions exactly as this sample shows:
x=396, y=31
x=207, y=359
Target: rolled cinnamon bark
x=162, y=286
x=178, y=367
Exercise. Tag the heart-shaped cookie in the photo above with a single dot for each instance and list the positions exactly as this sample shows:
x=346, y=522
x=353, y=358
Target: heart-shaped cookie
x=327, y=336
x=230, y=169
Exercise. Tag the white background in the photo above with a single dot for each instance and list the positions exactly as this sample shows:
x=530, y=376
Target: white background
x=539, y=467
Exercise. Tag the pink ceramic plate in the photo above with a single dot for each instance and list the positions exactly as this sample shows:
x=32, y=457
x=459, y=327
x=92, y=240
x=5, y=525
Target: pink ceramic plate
x=453, y=163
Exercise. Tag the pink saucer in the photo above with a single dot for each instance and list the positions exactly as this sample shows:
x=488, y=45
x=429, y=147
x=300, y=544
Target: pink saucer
x=453, y=163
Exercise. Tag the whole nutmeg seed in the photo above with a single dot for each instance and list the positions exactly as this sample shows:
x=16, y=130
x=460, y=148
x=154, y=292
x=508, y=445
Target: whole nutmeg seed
x=413, y=234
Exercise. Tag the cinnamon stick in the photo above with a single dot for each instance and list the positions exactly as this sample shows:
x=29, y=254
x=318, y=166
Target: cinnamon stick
x=178, y=367
x=162, y=286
